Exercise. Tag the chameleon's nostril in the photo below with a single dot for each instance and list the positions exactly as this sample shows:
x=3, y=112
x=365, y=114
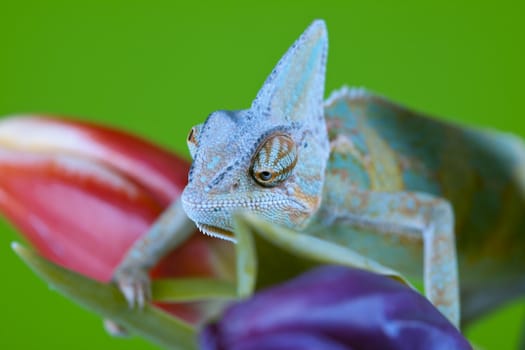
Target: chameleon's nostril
x=235, y=186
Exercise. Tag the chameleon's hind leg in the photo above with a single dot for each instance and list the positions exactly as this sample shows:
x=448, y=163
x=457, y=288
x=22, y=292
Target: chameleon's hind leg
x=410, y=215
x=170, y=230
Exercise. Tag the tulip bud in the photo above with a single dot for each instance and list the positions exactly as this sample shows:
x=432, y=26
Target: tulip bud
x=82, y=194
x=333, y=308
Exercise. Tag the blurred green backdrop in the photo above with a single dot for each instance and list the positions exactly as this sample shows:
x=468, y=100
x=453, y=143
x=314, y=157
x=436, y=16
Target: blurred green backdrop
x=157, y=67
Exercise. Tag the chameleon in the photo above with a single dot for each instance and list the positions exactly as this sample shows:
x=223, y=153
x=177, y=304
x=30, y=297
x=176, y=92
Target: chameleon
x=358, y=180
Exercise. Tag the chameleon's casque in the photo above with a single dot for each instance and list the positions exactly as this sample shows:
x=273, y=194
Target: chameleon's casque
x=271, y=158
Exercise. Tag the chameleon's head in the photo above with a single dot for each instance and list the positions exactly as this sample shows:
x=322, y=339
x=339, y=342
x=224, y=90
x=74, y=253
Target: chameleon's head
x=271, y=158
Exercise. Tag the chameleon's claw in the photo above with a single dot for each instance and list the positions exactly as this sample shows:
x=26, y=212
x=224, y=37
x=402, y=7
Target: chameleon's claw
x=135, y=285
x=114, y=329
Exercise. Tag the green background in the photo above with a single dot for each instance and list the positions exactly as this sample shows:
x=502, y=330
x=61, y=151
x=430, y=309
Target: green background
x=157, y=67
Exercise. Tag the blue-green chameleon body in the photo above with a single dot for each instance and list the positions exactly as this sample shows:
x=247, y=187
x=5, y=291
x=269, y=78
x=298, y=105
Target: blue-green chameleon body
x=388, y=148
x=390, y=189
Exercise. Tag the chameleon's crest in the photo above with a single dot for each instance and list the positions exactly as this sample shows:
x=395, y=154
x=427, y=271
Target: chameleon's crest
x=271, y=158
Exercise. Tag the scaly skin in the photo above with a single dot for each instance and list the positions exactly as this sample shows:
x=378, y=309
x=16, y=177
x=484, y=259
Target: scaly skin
x=381, y=146
x=481, y=172
x=379, y=181
x=271, y=160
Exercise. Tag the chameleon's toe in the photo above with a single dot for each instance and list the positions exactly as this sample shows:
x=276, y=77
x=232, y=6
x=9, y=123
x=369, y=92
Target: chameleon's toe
x=114, y=329
x=135, y=285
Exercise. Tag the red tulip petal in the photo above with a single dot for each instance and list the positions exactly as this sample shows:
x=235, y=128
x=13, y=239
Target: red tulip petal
x=107, y=152
x=82, y=194
x=78, y=214
x=163, y=173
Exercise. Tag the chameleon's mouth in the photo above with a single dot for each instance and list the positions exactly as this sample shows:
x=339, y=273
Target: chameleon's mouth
x=217, y=232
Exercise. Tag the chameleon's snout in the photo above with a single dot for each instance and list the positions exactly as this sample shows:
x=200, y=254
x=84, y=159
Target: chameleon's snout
x=213, y=218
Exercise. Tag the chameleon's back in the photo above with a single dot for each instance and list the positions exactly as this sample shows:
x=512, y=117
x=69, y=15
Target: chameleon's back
x=482, y=173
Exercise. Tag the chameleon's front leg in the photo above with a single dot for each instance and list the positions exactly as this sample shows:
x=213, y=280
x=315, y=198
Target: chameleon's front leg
x=411, y=215
x=171, y=229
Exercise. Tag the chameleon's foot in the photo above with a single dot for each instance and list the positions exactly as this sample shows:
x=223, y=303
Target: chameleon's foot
x=135, y=285
x=114, y=329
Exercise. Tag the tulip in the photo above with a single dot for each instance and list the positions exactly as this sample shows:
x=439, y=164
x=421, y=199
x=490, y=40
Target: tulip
x=333, y=308
x=83, y=194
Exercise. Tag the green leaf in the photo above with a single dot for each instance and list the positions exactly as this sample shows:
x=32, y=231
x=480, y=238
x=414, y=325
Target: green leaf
x=246, y=262
x=107, y=301
x=288, y=252
x=192, y=289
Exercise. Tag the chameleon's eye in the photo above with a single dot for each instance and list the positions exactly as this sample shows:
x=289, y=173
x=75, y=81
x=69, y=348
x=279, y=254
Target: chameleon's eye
x=191, y=136
x=193, y=139
x=274, y=160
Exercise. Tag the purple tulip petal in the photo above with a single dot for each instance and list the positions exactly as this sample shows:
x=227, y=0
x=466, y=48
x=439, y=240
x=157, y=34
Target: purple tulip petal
x=275, y=341
x=334, y=307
